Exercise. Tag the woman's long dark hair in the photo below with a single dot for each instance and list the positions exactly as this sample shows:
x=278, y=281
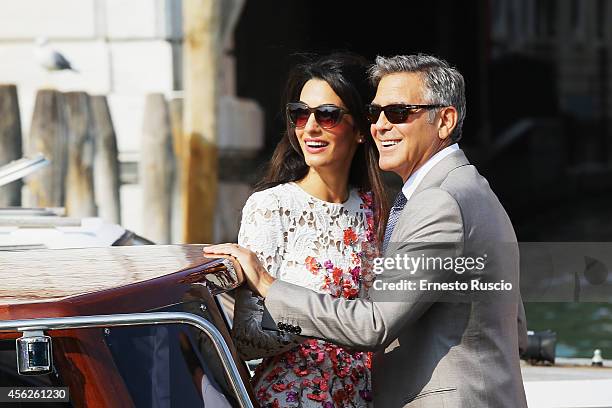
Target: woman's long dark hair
x=347, y=75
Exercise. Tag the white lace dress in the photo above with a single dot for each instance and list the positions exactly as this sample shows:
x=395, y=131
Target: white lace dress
x=322, y=246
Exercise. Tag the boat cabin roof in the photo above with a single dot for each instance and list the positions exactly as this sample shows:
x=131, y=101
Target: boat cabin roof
x=50, y=275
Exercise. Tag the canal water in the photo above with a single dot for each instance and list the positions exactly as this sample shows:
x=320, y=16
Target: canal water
x=580, y=327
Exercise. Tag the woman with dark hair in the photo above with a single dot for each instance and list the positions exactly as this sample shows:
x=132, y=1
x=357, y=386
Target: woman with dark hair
x=316, y=220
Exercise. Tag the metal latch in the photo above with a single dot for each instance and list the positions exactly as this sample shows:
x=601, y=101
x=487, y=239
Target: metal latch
x=34, y=353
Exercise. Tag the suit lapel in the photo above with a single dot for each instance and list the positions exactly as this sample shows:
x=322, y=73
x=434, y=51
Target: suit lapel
x=438, y=173
x=433, y=178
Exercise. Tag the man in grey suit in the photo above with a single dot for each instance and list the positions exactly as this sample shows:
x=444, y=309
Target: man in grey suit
x=439, y=345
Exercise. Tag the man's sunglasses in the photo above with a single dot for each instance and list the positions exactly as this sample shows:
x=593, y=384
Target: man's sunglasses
x=396, y=113
x=326, y=115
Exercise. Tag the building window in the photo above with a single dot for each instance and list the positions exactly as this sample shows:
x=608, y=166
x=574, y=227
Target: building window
x=546, y=18
x=577, y=17
x=601, y=18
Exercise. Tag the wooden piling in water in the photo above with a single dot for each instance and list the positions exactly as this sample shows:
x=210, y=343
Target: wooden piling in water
x=176, y=121
x=10, y=142
x=80, y=200
x=175, y=107
x=48, y=136
x=156, y=171
x=106, y=162
x=201, y=27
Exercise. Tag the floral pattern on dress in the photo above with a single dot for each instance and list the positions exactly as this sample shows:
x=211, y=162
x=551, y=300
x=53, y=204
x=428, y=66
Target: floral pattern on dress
x=316, y=373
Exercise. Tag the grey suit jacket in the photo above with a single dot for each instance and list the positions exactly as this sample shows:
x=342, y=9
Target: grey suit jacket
x=457, y=348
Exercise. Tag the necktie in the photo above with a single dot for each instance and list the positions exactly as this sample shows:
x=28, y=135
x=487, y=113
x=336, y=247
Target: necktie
x=398, y=206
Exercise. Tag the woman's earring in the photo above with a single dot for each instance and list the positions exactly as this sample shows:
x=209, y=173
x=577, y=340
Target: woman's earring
x=360, y=140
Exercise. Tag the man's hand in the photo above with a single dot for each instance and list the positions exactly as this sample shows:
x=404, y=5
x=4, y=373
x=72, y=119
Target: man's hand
x=257, y=277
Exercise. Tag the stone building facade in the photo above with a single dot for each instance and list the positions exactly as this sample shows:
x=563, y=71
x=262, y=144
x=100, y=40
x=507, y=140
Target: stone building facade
x=126, y=50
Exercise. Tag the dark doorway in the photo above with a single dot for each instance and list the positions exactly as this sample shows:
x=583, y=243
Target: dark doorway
x=271, y=33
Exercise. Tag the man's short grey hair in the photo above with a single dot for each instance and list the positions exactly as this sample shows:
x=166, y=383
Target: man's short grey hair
x=443, y=84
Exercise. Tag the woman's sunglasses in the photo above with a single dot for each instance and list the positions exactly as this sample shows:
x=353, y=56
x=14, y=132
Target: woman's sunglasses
x=395, y=113
x=326, y=115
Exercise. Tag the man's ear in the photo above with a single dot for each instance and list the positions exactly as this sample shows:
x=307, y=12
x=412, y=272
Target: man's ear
x=448, y=121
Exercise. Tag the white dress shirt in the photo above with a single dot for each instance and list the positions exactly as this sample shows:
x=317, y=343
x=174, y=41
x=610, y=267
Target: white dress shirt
x=415, y=178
